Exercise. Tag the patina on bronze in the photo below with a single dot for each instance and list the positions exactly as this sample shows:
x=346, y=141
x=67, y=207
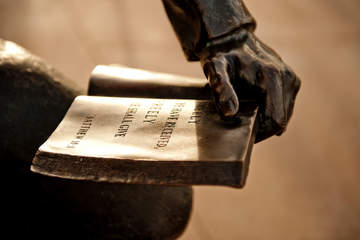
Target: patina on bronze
x=220, y=34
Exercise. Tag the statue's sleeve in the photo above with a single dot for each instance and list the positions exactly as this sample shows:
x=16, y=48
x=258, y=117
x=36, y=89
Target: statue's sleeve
x=197, y=22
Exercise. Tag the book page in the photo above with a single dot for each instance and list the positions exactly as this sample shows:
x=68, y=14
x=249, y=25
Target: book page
x=149, y=130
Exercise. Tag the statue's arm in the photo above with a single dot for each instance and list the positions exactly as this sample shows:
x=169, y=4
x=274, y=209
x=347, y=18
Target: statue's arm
x=220, y=34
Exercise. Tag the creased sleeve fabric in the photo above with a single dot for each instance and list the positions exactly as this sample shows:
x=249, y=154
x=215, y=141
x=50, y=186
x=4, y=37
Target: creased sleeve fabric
x=197, y=22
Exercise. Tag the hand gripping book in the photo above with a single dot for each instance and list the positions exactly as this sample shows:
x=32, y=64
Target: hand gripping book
x=149, y=140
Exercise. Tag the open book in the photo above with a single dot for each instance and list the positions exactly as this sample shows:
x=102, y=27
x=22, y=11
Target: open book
x=149, y=141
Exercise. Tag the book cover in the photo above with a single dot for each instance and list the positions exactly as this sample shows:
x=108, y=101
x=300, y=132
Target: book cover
x=149, y=141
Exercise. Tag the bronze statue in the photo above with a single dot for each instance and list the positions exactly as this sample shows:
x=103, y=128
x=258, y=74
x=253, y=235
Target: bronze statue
x=220, y=34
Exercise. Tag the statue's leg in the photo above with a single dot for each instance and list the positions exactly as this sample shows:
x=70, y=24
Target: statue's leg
x=33, y=99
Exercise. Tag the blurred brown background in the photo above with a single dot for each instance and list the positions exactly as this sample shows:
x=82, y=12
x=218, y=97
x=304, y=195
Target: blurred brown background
x=303, y=185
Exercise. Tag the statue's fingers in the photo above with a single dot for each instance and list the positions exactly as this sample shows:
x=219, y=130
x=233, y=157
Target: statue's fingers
x=223, y=91
x=275, y=107
x=273, y=115
x=291, y=87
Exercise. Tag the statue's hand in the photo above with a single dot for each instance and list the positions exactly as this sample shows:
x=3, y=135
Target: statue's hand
x=251, y=69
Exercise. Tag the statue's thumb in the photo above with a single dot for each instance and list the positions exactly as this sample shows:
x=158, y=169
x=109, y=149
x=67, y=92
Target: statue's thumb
x=225, y=97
